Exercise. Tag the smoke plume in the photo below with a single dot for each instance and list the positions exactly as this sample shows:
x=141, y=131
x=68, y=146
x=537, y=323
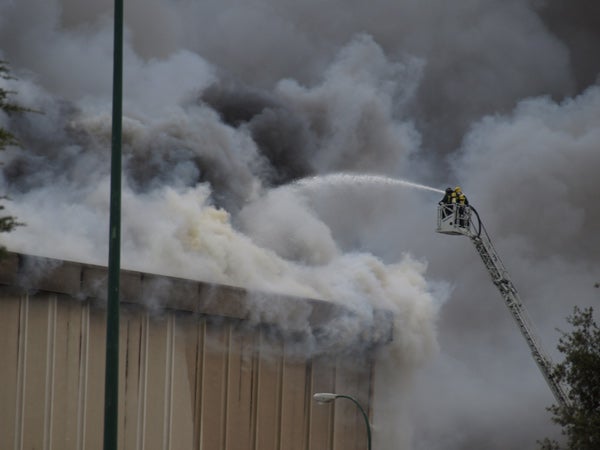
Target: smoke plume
x=227, y=104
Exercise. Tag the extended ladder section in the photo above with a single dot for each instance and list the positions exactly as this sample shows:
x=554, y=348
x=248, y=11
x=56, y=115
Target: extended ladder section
x=457, y=220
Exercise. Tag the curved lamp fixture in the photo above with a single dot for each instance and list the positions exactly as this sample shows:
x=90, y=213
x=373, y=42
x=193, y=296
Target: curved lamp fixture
x=327, y=397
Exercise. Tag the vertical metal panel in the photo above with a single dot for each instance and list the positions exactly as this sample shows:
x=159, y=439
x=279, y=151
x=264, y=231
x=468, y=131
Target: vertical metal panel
x=65, y=368
x=33, y=426
x=21, y=382
x=321, y=416
x=295, y=405
x=214, y=387
x=168, y=383
x=12, y=320
x=181, y=398
x=195, y=357
x=142, y=382
x=82, y=384
x=93, y=366
x=352, y=377
x=130, y=349
x=269, y=389
x=186, y=382
x=49, y=376
x=241, y=394
x=157, y=376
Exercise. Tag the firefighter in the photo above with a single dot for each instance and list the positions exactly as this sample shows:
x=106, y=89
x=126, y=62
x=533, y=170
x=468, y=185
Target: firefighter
x=462, y=201
x=448, y=199
x=461, y=198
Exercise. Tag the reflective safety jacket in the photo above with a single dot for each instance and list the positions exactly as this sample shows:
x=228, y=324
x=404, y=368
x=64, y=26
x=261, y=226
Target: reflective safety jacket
x=448, y=198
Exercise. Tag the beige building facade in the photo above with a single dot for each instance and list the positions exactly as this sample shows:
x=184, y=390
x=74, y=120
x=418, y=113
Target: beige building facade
x=201, y=367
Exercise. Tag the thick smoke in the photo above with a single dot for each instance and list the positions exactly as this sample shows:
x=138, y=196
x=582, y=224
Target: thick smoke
x=228, y=102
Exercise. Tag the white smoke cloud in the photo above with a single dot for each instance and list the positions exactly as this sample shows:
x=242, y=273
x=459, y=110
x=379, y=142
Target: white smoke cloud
x=283, y=222
x=543, y=158
x=224, y=99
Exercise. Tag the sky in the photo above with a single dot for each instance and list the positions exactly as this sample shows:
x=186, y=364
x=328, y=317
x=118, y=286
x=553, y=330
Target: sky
x=227, y=104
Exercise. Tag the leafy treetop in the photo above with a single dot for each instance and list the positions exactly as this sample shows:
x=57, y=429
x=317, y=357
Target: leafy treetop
x=7, y=139
x=580, y=371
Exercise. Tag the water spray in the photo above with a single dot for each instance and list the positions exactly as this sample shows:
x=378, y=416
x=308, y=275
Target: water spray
x=351, y=178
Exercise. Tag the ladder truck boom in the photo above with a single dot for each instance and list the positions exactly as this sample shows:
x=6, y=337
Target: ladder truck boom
x=456, y=219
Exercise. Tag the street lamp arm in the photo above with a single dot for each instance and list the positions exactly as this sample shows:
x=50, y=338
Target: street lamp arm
x=364, y=414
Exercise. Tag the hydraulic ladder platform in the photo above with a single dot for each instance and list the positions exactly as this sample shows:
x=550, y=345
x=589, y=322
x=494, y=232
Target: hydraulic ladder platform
x=457, y=219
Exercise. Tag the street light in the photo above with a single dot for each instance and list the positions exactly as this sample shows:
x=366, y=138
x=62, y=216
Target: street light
x=325, y=397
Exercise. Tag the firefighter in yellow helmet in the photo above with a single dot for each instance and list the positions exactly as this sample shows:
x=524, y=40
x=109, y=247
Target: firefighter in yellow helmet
x=461, y=198
x=462, y=201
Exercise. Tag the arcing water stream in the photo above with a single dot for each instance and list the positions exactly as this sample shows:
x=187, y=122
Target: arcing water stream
x=351, y=178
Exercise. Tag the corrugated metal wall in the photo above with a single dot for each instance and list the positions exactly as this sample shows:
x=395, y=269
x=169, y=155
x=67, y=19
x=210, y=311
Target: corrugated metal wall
x=188, y=381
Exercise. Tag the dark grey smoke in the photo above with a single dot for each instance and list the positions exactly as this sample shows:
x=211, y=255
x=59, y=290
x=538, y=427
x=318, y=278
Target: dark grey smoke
x=225, y=99
x=283, y=137
x=55, y=150
x=577, y=25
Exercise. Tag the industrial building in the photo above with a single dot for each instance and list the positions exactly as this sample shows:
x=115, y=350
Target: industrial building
x=199, y=368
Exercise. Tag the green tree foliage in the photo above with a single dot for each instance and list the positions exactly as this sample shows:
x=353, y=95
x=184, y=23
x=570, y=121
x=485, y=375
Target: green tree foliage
x=7, y=139
x=580, y=371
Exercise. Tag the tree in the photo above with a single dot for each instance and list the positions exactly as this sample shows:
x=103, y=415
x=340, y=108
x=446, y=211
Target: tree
x=7, y=139
x=580, y=371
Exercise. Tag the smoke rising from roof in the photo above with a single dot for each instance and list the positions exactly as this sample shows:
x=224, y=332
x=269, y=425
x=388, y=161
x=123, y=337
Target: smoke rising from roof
x=226, y=101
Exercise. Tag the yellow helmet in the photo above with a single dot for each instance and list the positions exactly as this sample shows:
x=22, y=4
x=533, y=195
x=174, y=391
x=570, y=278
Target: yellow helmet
x=458, y=189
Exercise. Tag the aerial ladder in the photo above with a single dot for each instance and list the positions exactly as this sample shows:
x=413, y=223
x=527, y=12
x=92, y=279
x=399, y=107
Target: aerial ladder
x=458, y=219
